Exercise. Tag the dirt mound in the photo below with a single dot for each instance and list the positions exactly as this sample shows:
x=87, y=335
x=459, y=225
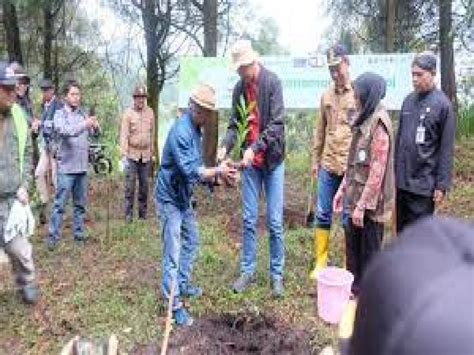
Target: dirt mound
x=231, y=334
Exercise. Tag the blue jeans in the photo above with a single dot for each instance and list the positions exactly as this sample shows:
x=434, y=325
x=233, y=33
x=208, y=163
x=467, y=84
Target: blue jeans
x=66, y=184
x=328, y=184
x=273, y=182
x=180, y=246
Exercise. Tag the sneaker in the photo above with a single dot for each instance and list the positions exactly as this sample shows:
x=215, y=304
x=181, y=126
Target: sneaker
x=128, y=219
x=243, y=283
x=190, y=291
x=278, y=290
x=182, y=317
x=30, y=294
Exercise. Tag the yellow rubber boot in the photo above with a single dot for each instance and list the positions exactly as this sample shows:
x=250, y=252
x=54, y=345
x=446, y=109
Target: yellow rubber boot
x=321, y=246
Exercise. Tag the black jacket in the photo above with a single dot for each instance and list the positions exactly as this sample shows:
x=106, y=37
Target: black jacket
x=272, y=125
x=417, y=293
x=420, y=168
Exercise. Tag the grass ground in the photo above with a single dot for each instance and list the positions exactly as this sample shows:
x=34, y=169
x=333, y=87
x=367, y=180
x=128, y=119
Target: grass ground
x=112, y=284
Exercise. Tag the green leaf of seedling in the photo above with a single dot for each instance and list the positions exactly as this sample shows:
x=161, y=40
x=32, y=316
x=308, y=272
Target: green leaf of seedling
x=242, y=101
x=241, y=113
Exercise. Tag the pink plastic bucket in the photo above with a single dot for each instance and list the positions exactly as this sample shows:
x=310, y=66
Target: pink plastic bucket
x=334, y=290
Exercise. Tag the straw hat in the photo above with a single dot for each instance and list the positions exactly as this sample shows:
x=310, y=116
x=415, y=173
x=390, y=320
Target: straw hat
x=242, y=54
x=205, y=96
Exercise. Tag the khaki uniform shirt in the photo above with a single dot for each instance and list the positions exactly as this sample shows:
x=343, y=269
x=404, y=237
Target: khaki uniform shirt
x=137, y=133
x=332, y=136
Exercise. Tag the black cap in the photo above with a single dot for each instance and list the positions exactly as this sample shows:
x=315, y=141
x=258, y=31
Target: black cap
x=7, y=75
x=46, y=84
x=336, y=54
x=417, y=295
x=426, y=60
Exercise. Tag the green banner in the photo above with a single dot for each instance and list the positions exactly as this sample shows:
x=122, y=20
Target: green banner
x=304, y=79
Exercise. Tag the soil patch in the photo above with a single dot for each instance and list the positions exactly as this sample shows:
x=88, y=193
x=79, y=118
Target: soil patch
x=234, y=334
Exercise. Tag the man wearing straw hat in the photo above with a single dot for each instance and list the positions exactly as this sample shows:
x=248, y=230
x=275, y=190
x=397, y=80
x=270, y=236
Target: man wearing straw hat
x=182, y=168
x=263, y=161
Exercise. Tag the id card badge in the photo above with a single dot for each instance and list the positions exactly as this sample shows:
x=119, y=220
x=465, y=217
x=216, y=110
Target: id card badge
x=362, y=156
x=420, y=135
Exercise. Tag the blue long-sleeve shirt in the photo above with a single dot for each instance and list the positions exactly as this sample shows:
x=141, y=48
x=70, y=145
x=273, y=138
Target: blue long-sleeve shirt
x=181, y=164
x=73, y=135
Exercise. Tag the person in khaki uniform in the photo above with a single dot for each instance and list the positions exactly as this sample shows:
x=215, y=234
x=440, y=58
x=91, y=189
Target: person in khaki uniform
x=330, y=149
x=136, y=145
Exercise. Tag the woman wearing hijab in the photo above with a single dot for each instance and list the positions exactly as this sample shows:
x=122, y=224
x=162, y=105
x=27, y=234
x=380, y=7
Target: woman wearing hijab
x=368, y=185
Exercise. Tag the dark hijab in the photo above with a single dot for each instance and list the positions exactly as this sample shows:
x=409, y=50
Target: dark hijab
x=370, y=89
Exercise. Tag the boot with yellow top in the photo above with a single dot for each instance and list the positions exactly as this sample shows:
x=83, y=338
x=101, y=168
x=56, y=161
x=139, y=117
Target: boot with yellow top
x=321, y=246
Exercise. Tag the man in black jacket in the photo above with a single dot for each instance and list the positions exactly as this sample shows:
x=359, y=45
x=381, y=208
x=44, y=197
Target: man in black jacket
x=257, y=103
x=424, y=145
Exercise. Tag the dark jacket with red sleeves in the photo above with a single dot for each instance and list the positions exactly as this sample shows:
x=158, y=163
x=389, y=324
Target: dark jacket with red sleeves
x=272, y=126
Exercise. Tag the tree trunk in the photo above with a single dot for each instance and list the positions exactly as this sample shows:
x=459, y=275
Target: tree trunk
x=211, y=128
x=210, y=28
x=48, y=36
x=150, y=23
x=448, y=76
x=12, y=32
x=390, y=33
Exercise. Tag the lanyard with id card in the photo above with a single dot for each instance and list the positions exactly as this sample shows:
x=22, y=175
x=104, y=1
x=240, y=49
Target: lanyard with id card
x=421, y=129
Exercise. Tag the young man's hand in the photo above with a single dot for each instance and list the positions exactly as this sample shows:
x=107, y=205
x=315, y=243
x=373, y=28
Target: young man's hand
x=92, y=122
